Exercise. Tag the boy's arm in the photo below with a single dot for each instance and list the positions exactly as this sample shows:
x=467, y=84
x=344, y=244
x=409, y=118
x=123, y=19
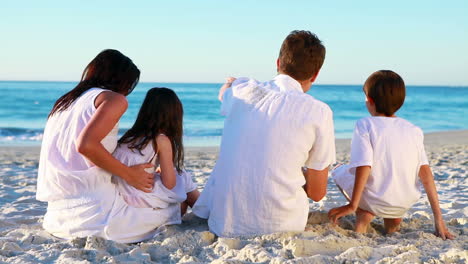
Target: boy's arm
x=316, y=183
x=427, y=179
x=362, y=174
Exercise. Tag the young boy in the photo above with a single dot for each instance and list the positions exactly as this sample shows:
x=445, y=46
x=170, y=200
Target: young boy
x=387, y=156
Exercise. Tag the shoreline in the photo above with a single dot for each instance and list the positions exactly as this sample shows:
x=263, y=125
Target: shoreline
x=431, y=139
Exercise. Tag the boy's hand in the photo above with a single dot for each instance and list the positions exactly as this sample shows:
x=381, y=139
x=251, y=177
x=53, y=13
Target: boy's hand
x=442, y=231
x=338, y=212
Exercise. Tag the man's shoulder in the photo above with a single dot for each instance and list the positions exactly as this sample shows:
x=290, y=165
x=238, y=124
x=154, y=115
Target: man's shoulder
x=242, y=82
x=316, y=104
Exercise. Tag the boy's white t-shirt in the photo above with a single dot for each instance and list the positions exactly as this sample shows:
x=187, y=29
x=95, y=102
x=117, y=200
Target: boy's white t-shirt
x=394, y=149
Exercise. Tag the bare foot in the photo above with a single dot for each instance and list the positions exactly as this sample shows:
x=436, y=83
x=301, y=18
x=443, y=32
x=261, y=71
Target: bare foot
x=392, y=225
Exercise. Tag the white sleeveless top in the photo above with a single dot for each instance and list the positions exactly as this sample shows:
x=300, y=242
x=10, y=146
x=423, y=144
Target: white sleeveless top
x=63, y=172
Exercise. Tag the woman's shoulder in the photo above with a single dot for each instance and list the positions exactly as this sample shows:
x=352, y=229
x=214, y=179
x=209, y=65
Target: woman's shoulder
x=103, y=95
x=94, y=97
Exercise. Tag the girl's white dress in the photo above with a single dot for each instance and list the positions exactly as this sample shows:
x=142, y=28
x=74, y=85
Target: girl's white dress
x=82, y=200
x=394, y=149
x=167, y=201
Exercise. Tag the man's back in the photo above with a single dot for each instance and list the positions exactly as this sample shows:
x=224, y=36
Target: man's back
x=271, y=130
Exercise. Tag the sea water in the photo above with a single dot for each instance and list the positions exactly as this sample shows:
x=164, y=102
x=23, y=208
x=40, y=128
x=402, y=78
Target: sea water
x=24, y=106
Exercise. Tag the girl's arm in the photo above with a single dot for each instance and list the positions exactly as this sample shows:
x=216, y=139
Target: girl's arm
x=168, y=176
x=427, y=179
x=362, y=174
x=110, y=107
x=225, y=86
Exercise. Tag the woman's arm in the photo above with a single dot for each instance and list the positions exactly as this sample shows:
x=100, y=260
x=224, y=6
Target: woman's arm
x=168, y=176
x=427, y=179
x=110, y=107
x=362, y=174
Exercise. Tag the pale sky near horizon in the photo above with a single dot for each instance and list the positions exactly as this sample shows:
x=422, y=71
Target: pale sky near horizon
x=426, y=42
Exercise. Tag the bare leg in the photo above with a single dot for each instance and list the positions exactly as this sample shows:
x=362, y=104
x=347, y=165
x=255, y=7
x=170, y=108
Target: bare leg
x=392, y=225
x=183, y=208
x=191, y=199
x=363, y=219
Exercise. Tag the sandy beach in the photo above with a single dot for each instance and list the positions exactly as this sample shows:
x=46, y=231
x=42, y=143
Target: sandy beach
x=22, y=239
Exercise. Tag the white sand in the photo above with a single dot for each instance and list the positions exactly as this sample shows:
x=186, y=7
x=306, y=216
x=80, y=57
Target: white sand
x=22, y=239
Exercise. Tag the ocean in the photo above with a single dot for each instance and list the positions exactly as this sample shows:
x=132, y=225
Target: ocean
x=24, y=106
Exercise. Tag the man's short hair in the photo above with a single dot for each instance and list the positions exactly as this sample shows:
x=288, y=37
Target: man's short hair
x=302, y=54
x=387, y=90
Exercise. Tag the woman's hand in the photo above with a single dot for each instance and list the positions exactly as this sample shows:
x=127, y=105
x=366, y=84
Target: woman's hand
x=338, y=212
x=139, y=178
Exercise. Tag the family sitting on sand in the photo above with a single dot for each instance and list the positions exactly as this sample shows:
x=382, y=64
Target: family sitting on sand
x=277, y=146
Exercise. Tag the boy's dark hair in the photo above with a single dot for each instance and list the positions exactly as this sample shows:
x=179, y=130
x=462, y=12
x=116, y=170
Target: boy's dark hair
x=161, y=112
x=387, y=89
x=301, y=55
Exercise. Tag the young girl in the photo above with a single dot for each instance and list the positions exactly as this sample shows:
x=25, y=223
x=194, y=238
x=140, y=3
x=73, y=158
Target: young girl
x=156, y=137
x=387, y=156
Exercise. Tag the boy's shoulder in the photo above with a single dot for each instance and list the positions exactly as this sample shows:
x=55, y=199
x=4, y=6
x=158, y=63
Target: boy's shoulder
x=410, y=126
x=403, y=124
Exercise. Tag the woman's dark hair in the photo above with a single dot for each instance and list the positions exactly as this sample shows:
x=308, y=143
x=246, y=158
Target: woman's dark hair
x=161, y=112
x=387, y=89
x=110, y=70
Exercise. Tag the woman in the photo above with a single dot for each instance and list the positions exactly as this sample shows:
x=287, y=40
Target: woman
x=76, y=163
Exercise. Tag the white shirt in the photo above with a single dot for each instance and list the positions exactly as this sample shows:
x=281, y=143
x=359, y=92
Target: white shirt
x=394, y=149
x=271, y=130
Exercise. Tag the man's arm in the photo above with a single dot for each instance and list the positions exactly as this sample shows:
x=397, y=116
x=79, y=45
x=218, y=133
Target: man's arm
x=225, y=86
x=316, y=183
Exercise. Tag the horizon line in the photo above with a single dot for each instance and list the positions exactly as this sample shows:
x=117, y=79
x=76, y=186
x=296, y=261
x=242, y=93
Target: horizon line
x=200, y=82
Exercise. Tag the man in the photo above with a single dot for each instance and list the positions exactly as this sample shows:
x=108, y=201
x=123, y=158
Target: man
x=277, y=145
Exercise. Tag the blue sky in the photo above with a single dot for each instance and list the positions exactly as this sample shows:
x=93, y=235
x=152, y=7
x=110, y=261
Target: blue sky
x=426, y=42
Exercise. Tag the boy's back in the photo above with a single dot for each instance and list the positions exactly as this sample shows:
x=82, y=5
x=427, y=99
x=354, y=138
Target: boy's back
x=394, y=149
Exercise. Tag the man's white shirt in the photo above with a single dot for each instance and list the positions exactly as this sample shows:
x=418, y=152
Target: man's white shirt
x=271, y=131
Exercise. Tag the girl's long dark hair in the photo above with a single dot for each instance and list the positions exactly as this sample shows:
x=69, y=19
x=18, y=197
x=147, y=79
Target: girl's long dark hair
x=161, y=112
x=110, y=70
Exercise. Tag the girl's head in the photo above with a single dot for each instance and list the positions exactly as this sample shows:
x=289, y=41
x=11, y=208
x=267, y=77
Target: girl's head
x=110, y=70
x=385, y=92
x=161, y=112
